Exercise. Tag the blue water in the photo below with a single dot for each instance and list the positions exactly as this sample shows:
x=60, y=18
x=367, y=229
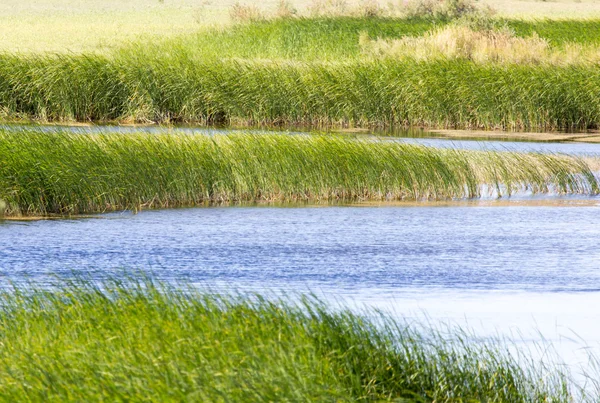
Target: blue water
x=509, y=248
x=523, y=272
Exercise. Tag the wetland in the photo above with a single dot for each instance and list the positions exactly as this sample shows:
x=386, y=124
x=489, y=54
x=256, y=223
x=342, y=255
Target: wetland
x=317, y=201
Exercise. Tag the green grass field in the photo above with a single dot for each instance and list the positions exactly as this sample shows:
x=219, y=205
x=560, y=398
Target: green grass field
x=136, y=341
x=44, y=173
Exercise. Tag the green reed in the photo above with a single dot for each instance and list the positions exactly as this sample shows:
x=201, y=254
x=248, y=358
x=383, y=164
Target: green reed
x=177, y=88
x=305, y=71
x=127, y=340
x=65, y=173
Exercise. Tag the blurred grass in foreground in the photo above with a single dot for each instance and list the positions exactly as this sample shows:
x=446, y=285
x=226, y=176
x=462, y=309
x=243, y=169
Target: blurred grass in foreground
x=139, y=341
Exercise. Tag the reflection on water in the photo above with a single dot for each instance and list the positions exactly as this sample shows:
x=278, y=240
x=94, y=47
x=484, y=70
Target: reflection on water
x=388, y=248
x=584, y=149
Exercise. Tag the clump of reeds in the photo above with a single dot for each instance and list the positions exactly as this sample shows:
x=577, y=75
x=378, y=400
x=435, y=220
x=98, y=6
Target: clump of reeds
x=174, y=85
x=437, y=93
x=62, y=173
x=245, y=13
x=131, y=340
x=443, y=9
x=308, y=72
x=495, y=46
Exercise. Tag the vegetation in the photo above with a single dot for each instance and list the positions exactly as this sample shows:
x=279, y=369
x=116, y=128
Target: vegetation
x=441, y=93
x=102, y=25
x=61, y=173
x=492, y=46
x=138, y=341
x=326, y=71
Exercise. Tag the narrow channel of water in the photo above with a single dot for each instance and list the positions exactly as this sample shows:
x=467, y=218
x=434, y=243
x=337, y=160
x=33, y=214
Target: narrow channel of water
x=513, y=270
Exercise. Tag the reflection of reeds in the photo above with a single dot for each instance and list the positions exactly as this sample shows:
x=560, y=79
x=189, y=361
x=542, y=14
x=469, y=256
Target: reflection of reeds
x=136, y=341
x=43, y=173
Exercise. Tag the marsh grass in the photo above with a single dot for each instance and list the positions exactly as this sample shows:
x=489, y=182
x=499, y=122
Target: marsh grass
x=462, y=42
x=177, y=88
x=298, y=71
x=62, y=173
x=131, y=340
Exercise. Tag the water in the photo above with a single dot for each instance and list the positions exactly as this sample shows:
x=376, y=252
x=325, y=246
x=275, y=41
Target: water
x=582, y=149
x=515, y=270
x=527, y=269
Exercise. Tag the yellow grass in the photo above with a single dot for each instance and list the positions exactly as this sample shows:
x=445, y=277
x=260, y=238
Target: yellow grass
x=554, y=9
x=481, y=46
x=99, y=25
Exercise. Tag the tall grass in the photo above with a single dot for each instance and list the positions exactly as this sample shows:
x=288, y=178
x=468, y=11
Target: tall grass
x=138, y=341
x=298, y=71
x=307, y=39
x=481, y=46
x=335, y=38
x=61, y=173
x=442, y=93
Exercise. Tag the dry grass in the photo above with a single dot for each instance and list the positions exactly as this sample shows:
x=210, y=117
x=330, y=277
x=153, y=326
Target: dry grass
x=246, y=13
x=100, y=25
x=540, y=9
x=481, y=46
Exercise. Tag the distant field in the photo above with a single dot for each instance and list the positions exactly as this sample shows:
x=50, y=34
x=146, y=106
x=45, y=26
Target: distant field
x=95, y=25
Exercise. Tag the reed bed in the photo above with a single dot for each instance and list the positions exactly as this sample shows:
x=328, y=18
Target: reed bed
x=62, y=173
x=127, y=340
x=175, y=88
x=299, y=71
x=336, y=38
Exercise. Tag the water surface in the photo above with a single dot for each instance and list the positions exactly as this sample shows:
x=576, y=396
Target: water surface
x=511, y=269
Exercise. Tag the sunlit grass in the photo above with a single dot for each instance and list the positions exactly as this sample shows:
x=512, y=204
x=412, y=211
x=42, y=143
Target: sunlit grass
x=174, y=87
x=98, y=26
x=314, y=71
x=138, y=341
x=492, y=46
x=62, y=173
